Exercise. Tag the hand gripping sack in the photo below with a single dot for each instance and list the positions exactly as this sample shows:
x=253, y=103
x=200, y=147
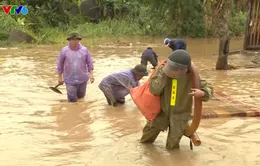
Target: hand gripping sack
x=148, y=103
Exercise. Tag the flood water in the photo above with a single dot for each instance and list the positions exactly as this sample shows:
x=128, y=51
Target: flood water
x=40, y=128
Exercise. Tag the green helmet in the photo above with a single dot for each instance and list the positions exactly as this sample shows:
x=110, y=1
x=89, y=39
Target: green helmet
x=74, y=35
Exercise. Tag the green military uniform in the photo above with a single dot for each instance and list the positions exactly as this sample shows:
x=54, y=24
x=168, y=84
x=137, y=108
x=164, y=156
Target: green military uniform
x=176, y=105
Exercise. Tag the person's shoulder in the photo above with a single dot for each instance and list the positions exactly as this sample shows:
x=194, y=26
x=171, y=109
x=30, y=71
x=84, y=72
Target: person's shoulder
x=64, y=49
x=84, y=48
x=148, y=51
x=154, y=52
x=181, y=40
x=126, y=72
x=115, y=75
x=172, y=42
x=123, y=71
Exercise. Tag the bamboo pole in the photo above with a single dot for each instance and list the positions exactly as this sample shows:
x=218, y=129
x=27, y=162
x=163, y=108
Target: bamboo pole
x=247, y=27
x=258, y=25
x=256, y=22
x=253, y=23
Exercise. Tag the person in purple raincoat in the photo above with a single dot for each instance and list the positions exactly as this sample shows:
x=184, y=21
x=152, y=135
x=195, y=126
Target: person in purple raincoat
x=117, y=85
x=75, y=68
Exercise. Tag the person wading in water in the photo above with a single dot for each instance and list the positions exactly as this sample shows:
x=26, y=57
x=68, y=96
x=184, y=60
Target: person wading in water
x=173, y=83
x=117, y=85
x=75, y=68
x=151, y=56
x=175, y=44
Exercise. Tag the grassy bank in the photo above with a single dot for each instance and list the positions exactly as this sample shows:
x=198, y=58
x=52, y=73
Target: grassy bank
x=108, y=28
x=105, y=29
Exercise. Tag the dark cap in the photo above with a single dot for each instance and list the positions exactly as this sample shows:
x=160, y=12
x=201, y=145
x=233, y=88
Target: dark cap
x=74, y=35
x=181, y=57
x=140, y=70
x=166, y=41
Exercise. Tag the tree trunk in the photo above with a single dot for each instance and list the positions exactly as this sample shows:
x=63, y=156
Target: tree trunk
x=222, y=62
x=220, y=13
x=223, y=32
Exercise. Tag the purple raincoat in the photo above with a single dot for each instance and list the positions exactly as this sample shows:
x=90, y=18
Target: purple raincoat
x=116, y=85
x=74, y=64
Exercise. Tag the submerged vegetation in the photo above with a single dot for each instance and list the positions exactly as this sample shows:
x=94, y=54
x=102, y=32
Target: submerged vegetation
x=50, y=21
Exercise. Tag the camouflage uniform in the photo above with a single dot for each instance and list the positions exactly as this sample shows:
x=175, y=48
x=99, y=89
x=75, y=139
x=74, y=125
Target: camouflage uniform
x=174, y=117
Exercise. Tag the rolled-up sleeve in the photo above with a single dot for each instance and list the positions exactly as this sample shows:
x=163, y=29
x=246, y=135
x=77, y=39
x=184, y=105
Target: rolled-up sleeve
x=158, y=82
x=207, y=89
x=60, y=62
x=89, y=61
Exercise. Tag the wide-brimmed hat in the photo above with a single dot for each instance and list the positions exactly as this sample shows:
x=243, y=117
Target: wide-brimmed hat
x=74, y=35
x=140, y=70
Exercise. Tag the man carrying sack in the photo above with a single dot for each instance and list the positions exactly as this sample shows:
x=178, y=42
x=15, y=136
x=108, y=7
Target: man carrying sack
x=173, y=83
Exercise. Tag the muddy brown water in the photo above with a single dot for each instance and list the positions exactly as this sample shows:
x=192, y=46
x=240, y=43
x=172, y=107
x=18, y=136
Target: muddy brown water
x=39, y=128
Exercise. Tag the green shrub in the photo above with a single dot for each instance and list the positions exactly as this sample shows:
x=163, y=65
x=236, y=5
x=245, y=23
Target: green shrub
x=237, y=23
x=7, y=22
